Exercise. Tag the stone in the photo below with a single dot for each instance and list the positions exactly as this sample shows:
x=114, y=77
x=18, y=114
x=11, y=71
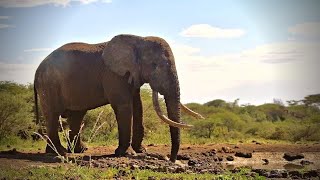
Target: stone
x=230, y=158
x=243, y=154
x=310, y=174
x=183, y=157
x=265, y=161
x=261, y=172
x=292, y=156
x=192, y=162
x=305, y=162
x=226, y=150
x=295, y=174
x=275, y=174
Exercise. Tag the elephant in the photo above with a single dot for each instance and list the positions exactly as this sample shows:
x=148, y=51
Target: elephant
x=78, y=77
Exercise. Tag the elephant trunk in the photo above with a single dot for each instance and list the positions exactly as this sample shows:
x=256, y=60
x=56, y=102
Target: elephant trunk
x=173, y=109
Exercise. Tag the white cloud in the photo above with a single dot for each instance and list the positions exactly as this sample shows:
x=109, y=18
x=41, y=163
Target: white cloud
x=2, y=26
x=287, y=70
x=33, y=3
x=308, y=29
x=207, y=31
x=38, y=50
x=20, y=73
x=4, y=17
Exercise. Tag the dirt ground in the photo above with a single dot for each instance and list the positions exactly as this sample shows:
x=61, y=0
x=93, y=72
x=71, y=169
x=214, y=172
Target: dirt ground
x=264, y=159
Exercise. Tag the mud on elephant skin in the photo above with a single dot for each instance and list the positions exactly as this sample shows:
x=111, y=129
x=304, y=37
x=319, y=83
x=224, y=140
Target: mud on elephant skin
x=78, y=77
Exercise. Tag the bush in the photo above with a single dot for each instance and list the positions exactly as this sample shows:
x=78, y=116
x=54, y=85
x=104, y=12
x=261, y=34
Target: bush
x=204, y=128
x=15, y=109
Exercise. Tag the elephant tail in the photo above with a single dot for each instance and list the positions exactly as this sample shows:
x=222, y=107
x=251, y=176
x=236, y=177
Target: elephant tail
x=36, y=104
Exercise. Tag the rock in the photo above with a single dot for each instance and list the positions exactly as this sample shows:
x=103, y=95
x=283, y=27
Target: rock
x=213, y=150
x=220, y=158
x=205, y=154
x=192, y=162
x=150, y=145
x=180, y=170
x=188, y=147
x=123, y=165
x=275, y=174
x=122, y=173
x=261, y=172
x=265, y=161
x=236, y=147
x=230, y=158
x=310, y=174
x=305, y=162
x=203, y=171
x=134, y=167
x=243, y=154
x=295, y=174
x=284, y=174
x=226, y=150
x=171, y=169
x=292, y=156
x=183, y=157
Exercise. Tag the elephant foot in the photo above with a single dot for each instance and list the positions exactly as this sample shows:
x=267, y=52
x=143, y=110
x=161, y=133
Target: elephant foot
x=139, y=149
x=121, y=151
x=79, y=148
x=60, y=150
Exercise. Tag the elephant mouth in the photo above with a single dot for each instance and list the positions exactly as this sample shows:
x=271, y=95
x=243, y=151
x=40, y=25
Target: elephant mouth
x=166, y=119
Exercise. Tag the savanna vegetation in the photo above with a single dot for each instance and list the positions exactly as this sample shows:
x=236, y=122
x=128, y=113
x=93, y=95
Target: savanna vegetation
x=297, y=120
x=225, y=121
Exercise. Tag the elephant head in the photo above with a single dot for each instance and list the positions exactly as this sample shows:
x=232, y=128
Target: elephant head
x=150, y=60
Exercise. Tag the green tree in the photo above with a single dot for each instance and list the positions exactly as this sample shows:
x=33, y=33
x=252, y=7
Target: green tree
x=313, y=99
x=15, y=109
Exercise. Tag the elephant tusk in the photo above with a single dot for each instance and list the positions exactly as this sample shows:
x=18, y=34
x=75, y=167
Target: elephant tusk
x=163, y=117
x=190, y=112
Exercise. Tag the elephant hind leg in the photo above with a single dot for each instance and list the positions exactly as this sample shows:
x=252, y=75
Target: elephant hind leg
x=52, y=131
x=75, y=120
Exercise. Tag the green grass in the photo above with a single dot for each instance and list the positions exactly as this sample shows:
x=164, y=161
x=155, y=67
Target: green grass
x=163, y=138
x=78, y=172
x=20, y=144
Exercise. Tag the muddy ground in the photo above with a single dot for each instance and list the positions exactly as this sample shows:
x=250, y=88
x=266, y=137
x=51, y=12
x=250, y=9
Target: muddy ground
x=302, y=160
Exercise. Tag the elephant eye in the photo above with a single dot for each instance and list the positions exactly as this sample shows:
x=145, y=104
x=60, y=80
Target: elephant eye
x=154, y=65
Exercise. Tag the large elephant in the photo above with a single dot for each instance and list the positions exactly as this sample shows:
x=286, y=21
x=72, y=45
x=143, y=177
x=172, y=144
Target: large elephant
x=78, y=77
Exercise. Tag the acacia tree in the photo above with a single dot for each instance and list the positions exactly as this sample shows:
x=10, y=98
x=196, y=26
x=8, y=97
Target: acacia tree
x=313, y=100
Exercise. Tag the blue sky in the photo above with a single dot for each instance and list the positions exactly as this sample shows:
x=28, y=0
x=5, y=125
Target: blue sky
x=252, y=50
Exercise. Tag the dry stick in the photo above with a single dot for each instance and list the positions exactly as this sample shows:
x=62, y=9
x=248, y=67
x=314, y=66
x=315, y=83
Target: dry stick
x=96, y=132
x=66, y=134
x=50, y=144
x=93, y=131
x=95, y=124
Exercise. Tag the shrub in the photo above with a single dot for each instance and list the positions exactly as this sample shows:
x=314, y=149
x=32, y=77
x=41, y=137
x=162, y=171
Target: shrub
x=15, y=109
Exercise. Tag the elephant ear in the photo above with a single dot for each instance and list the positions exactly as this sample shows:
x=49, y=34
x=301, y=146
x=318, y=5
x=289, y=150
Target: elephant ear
x=121, y=56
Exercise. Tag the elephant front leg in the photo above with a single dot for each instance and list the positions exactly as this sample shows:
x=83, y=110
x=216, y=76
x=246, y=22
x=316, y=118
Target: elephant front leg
x=138, y=129
x=124, y=118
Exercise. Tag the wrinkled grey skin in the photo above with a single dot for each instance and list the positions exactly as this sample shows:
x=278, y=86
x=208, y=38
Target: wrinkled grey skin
x=78, y=77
